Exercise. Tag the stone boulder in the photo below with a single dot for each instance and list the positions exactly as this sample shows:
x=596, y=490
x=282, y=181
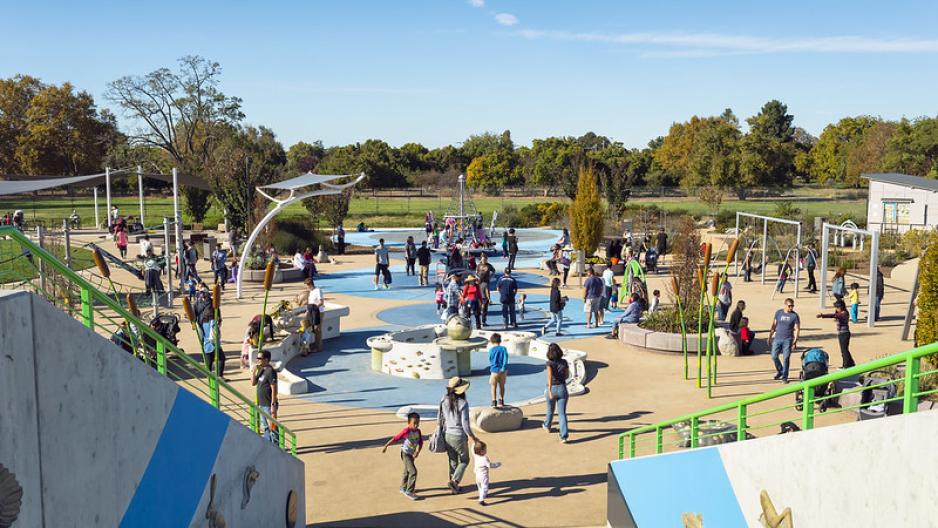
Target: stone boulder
x=726, y=342
x=497, y=419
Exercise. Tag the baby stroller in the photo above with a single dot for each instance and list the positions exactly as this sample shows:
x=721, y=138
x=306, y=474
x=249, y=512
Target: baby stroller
x=651, y=260
x=814, y=363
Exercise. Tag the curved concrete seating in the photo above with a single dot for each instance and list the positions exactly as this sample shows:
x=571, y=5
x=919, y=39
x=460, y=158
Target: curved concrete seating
x=632, y=334
x=497, y=419
x=281, y=275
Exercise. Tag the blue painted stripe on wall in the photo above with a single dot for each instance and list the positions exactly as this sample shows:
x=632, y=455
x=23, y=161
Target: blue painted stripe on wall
x=180, y=465
x=658, y=489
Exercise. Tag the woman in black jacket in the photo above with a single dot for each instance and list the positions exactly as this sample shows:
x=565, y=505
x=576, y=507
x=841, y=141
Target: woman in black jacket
x=557, y=303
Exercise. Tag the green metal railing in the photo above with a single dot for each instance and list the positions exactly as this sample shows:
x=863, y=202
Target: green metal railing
x=736, y=421
x=105, y=314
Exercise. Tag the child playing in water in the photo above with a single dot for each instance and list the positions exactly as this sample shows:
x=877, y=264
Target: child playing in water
x=410, y=450
x=482, y=464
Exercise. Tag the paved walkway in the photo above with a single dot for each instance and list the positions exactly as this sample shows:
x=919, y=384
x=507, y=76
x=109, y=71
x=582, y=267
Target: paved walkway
x=542, y=483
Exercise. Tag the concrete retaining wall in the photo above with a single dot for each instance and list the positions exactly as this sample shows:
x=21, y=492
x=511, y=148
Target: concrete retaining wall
x=872, y=473
x=97, y=438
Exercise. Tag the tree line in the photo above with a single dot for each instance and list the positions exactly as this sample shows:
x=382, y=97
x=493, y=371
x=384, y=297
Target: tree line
x=181, y=118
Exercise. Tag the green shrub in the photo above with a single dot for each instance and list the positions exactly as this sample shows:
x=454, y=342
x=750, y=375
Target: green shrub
x=668, y=320
x=926, y=328
x=295, y=234
x=725, y=219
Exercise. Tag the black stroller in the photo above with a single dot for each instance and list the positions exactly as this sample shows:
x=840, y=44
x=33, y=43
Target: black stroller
x=651, y=260
x=814, y=364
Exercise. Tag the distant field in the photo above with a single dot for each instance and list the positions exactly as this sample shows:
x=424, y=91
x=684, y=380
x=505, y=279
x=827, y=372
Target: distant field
x=401, y=212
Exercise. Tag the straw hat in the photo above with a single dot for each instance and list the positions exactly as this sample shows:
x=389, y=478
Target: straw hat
x=458, y=385
x=471, y=278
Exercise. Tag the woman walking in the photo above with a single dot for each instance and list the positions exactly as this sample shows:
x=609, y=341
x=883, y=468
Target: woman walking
x=557, y=302
x=557, y=373
x=454, y=413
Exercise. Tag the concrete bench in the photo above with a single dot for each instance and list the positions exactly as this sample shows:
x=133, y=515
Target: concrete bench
x=281, y=275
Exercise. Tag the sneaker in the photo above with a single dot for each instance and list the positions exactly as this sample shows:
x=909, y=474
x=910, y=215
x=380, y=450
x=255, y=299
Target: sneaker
x=501, y=403
x=411, y=495
x=482, y=503
x=544, y=427
x=558, y=334
x=563, y=440
x=376, y=287
x=777, y=377
x=493, y=403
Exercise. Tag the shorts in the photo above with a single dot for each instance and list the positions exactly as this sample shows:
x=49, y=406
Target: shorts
x=593, y=304
x=498, y=378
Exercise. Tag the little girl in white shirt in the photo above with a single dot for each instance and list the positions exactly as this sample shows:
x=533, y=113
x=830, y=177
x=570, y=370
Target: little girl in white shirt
x=482, y=465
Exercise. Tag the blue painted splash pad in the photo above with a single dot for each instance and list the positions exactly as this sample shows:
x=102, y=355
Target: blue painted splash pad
x=342, y=375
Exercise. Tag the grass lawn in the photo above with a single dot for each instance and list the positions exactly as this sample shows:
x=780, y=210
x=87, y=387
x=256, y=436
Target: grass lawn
x=19, y=269
x=409, y=212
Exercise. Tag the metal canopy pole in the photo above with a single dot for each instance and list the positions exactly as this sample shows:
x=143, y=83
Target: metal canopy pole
x=68, y=245
x=736, y=258
x=97, y=219
x=177, y=219
x=140, y=192
x=825, y=247
x=167, y=254
x=107, y=191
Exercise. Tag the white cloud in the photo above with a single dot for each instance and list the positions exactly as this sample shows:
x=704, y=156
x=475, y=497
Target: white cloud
x=476, y=3
x=714, y=44
x=506, y=19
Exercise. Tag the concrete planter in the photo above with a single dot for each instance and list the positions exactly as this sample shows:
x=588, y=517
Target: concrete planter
x=632, y=334
x=280, y=275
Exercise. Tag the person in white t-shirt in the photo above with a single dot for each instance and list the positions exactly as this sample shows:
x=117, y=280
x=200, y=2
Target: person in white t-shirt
x=145, y=245
x=314, y=307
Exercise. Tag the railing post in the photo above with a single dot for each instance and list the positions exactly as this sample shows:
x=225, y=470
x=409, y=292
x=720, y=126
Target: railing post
x=694, y=429
x=161, y=357
x=213, y=388
x=807, y=415
x=622, y=446
x=254, y=419
x=293, y=447
x=741, y=424
x=913, y=366
x=659, y=440
x=87, y=308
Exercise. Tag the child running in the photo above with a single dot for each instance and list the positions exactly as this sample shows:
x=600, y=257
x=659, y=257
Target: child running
x=854, y=297
x=482, y=464
x=410, y=450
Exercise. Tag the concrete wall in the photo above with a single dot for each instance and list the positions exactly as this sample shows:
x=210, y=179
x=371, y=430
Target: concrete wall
x=873, y=473
x=97, y=438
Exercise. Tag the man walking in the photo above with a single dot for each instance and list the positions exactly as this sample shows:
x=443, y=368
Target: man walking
x=810, y=261
x=382, y=263
x=593, y=298
x=264, y=377
x=507, y=289
x=485, y=271
x=219, y=266
x=609, y=283
x=512, y=249
x=880, y=290
x=340, y=240
x=786, y=327
x=410, y=256
x=423, y=260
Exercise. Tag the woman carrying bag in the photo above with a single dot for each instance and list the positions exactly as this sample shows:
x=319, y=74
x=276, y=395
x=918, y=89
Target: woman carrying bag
x=454, y=431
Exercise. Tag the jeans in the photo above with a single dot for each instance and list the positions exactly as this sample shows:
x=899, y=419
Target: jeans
x=812, y=283
x=607, y=294
x=555, y=317
x=264, y=425
x=781, y=284
x=559, y=393
x=844, y=340
x=781, y=346
x=511, y=261
x=409, y=270
x=457, y=450
x=721, y=311
x=854, y=312
x=508, y=314
x=879, y=300
x=473, y=310
x=409, y=479
x=221, y=276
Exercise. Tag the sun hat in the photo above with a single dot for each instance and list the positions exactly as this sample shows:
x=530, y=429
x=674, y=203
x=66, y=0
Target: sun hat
x=458, y=385
x=471, y=278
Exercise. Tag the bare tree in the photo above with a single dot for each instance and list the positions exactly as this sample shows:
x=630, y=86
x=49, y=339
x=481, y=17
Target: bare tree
x=179, y=112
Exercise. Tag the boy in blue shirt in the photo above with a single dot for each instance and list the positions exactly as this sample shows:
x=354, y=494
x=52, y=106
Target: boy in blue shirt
x=498, y=366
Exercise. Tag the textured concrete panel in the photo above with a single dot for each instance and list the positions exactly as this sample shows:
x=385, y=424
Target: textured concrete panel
x=19, y=433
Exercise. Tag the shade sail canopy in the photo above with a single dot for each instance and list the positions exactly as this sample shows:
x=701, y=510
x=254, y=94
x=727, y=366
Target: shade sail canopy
x=305, y=181
x=25, y=186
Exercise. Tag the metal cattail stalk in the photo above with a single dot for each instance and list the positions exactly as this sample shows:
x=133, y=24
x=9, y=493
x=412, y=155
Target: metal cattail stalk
x=104, y=270
x=268, y=281
x=216, y=306
x=190, y=315
x=132, y=308
x=708, y=252
x=676, y=288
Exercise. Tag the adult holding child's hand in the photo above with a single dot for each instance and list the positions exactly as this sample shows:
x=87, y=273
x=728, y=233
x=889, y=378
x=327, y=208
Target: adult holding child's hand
x=454, y=421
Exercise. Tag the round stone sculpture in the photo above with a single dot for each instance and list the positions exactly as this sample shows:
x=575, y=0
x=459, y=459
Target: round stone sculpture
x=726, y=342
x=497, y=419
x=458, y=328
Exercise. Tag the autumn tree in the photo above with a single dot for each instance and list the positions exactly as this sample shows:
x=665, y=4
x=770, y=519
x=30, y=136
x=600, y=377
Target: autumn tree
x=182, y=113
x=586, y=213
x=829, y=156
x=913, y=148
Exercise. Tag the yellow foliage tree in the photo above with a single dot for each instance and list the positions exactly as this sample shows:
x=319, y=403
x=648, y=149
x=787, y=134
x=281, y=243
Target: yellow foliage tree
x=586, y=213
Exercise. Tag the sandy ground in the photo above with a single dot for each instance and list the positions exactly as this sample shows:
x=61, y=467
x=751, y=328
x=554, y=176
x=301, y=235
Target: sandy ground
x=542, y=482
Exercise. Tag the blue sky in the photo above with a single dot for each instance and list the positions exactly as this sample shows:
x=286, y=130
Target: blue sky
x=435, y=71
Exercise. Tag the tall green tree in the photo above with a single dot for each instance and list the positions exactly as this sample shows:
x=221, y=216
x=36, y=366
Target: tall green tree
x=489, y=172
x=16, y=93
x=828, y=162
x=180, y=112
x=767, y=152
x=243, y=159
x=555, y=163
x=913, y=148
x=586, y=213
x=868, y=155
x=304, y=157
